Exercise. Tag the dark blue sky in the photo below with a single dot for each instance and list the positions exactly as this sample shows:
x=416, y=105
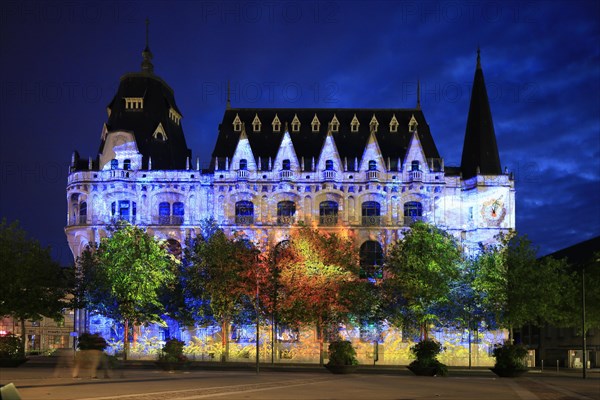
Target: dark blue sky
x=61, y=62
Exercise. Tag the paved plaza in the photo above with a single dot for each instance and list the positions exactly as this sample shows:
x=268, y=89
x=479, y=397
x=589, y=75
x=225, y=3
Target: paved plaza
x=35, y=382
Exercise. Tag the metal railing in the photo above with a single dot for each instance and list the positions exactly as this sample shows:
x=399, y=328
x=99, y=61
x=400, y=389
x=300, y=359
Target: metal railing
x=286, y=220
x=328, y=220
x=415, y=176
x=244, y=219
x=329, y=175
x=167, y=220
x=409, y=220
x=372, y=175
x=286, y=174
x=372, y=220
x=243, y=174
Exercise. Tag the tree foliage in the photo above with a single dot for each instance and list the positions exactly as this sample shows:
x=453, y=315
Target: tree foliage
x=221, y=277
x=316, y=280
x=420, y=271
x=519, y=289
x=32, y=285
x=124, y=276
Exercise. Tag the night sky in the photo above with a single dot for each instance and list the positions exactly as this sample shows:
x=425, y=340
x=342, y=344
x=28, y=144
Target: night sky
x=61, y=63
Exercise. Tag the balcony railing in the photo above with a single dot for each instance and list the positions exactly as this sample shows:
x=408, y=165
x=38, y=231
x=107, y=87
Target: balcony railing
x=409, y=220
x=244, y=219
x=243, y=174
x=328, y=220
x=415, y=176
x=372, y=220
x=79, y=220
x=286, y=174
x=286, y=219
x=329, y=175
x=373, y=175
x=167, y=220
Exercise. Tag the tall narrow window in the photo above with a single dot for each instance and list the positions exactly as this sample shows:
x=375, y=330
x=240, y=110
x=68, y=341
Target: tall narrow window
x=178, y=213
x=244, y=213
x=286, y=211
x=114, y=164
x=243, y=164
x=127, y=164
x=415, y=165
x=124, y=210
x=328, y=213
x=329, y=165
x=413, y=211
x=372, y=165
x=82, y=213
x=371, y=213
x=164, y=213
x=285, y=165
x=371, y=260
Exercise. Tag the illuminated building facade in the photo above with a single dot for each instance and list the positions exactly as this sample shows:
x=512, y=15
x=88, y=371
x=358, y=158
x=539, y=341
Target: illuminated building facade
x=372, y=172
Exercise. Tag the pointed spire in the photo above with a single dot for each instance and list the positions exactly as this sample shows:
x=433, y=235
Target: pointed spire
x=480, y=151
x=228, y=106
x=147, y=54
x=418, y=94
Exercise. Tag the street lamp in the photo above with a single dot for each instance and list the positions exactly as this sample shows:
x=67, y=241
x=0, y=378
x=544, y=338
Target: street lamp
x=583, y=333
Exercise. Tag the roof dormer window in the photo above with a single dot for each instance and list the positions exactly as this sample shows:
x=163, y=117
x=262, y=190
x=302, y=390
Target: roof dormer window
x=159, y=133
x=394, y=124
x=316, y=124
x=256, y=123
x=354, y=124
x=412, y=124
x=295, y=124
x=334, y=124
x=237, y=124
x=174, y=115
x=134, y=103
x=276, y=124
x=374, y=124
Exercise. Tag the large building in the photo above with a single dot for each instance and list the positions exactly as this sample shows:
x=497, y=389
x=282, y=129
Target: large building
x=370, y=171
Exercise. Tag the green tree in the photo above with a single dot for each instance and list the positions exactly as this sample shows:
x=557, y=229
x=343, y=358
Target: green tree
x=516, y=288
x=126, y=274
x=32, y=285
x=218, y=278
x=420, y=271
x=316, y=280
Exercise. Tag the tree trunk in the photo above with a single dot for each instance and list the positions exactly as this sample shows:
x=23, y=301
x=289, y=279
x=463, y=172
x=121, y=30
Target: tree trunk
x=511, y=337
x=23, y=338
x=224, y=341
x=321, y=334
x=126, y=340
x=424, y=333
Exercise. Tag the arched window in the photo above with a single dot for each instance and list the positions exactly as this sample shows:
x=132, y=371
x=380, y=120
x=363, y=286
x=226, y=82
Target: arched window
x=286, y=211
x=329, y=165
x=328, y=213
x=164, y=213
x=123, y=210
x=372, y=165
x=127, y=164
x=371, y=213
x=243, y=164
x=244, y=213
x=82, y=213
x=415, y=165
x=285, y=165
x=413, y=211
x=114, y=164
x=178, y=213
x=371, y=260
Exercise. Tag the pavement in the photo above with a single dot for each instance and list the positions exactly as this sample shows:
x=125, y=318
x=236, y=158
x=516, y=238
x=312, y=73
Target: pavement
x=39, y=379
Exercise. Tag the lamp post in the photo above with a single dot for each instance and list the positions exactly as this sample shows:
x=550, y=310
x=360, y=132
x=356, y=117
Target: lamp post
x=583, y=333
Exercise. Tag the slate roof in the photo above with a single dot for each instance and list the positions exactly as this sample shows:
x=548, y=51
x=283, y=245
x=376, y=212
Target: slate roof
x=480, y=149
x=158, y=99
x=579, y=254
x=308, y=144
